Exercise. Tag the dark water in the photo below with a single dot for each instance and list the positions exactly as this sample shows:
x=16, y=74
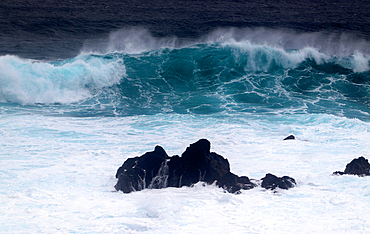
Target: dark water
x=118, y=58
x=57, y=29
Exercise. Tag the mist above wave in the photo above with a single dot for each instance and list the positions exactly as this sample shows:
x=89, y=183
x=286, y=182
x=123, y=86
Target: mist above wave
x=138, y=39
x=283, y=47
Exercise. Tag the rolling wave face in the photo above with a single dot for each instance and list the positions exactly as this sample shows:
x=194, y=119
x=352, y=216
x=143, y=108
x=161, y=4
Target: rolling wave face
x=242, y=77
x=225, y=74
x=28, y=82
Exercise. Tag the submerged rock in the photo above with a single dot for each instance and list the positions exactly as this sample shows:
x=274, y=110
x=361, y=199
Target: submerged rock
x=197, y=164
x=359, y=166
x=290, y=137
x=271, y=181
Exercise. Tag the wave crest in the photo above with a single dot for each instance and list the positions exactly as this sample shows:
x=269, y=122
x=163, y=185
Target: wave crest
x=262, y=47
x=27, y=81
x=264, y=58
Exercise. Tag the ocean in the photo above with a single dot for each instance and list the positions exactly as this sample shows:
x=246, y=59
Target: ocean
x=85, y=85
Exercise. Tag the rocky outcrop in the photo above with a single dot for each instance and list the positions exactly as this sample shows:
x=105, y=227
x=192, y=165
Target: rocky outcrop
x=271, y=182
x=197, y=164
x=142, y=172
x=359, y=166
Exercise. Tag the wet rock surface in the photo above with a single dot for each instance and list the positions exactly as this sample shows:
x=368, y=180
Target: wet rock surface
x=271, y=181
x=359, y=166
x=157, y=170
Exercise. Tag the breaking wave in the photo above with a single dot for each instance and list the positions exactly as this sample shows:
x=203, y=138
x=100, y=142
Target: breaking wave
x=228, y=71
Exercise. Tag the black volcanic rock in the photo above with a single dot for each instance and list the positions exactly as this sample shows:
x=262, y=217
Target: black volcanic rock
x=245, y=183
x=359, y=166
x=156, y=170
x=271, y=181
x=290, y=137
x=137, y=173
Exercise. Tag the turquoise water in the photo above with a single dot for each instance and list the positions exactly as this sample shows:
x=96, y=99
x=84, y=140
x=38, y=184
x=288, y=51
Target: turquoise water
x=219, y=77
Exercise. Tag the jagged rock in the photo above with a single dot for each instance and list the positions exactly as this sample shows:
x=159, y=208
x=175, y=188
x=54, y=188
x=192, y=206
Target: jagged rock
x=290, y=137
x=138, y=173
x=271, y=181
x=157, y=170
x=197, y=164
x=201, y=165
x=359, y=166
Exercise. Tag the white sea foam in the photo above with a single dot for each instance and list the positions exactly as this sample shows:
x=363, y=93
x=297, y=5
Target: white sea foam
x=27, y=81
x=262, y=57
x=57, y=175
x=332, y=44
x=358, y=62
